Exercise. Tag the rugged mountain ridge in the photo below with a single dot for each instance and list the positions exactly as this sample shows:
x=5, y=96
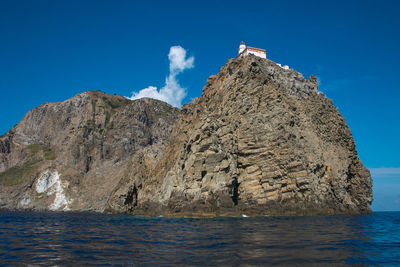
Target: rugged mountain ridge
x=87, y=144
x=259, y=140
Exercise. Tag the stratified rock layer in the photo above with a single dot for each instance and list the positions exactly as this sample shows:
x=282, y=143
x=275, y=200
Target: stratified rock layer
x=259, y=140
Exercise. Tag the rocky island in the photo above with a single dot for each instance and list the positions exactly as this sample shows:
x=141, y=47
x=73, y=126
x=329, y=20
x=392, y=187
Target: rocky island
x=260, y=140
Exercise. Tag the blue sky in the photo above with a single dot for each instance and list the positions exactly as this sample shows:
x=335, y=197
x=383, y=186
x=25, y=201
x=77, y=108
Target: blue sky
x=52, y=50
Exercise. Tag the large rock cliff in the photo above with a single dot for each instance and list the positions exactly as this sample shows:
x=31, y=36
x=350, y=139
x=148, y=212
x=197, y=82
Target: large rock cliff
x=71, y=155
x=259, y=140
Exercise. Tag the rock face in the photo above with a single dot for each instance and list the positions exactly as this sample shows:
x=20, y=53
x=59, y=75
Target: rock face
x=259, y=140
x=72, y=155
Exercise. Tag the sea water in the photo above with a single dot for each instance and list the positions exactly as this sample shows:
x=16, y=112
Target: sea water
x=76, y=239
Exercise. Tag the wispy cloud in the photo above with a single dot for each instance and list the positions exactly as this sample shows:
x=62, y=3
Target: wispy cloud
x=338, y=84
x=369, y=77
x=172, y=92
x=345, y=83
x=379, y=172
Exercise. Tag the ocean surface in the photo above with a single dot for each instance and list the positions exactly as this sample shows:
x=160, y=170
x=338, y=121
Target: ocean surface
x=76, y=239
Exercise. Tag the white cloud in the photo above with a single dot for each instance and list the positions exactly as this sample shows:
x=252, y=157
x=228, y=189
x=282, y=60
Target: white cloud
x=319, y=80
x=171, y=92
x=178, y=61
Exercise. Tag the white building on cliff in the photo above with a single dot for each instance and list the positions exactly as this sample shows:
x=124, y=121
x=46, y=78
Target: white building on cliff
x=245, y=50
x=262, y=53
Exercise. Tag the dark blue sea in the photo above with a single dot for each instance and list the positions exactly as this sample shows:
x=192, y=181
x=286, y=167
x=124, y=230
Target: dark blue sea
x=76, y=239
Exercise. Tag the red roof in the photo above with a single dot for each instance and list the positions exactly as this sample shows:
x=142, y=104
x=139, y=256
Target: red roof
x=252, y=48
x=257, y=49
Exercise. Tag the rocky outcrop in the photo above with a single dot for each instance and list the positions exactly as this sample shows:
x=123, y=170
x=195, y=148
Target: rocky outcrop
x=259, y=140
x=89, y=142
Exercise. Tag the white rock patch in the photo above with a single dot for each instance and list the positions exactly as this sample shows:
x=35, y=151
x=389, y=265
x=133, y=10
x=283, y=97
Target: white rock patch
x=46, y=180
x=51, y=183
x=25, y=202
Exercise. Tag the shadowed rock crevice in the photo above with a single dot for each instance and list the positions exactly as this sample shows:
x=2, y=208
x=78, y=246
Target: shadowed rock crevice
x=131, y=198
x=235, y=191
